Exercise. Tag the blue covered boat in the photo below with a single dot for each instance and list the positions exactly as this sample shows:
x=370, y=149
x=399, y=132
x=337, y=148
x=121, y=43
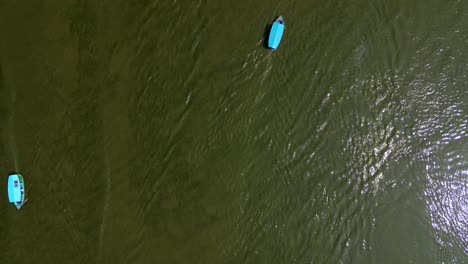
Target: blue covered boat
x=16, y=192
x=276, y=33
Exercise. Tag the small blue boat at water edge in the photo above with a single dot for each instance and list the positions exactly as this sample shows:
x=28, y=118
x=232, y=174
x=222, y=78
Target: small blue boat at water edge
x=16, y=192
x=276, y=33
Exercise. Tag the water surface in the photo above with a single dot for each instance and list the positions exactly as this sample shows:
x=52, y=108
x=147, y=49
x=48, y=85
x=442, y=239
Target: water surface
x=164, y=132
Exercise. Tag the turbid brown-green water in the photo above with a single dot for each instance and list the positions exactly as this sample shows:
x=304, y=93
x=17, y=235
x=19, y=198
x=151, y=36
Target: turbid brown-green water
x=164, y=132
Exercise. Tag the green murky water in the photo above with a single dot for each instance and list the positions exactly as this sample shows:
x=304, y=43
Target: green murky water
x=164, y=132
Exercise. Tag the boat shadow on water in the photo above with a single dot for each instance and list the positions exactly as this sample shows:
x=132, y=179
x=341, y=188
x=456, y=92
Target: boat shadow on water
x=266, y=34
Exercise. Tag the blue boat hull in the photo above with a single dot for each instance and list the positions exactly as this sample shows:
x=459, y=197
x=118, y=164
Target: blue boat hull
x=276, y=33
x=16, y=191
